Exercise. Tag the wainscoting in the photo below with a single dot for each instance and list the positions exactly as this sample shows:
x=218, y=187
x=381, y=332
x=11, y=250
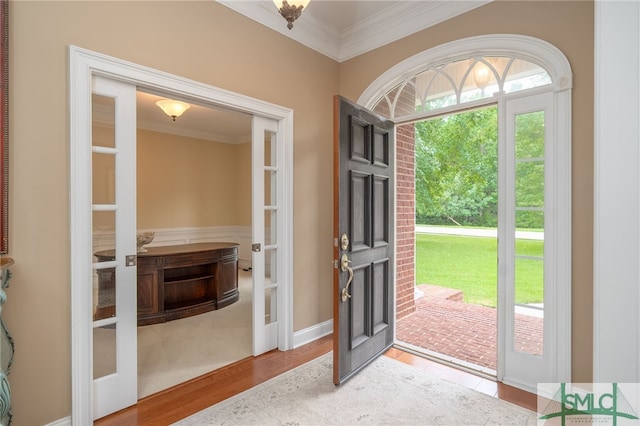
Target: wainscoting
x=103, y=240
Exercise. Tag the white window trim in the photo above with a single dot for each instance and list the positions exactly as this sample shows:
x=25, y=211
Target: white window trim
x=528, y=48
x=556, y=64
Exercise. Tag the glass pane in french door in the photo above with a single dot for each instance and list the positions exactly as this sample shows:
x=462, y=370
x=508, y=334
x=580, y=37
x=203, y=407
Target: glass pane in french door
x=103, y=120
x=104, y=350
x=270, y=227
x=103, y=185
x=529, y=188
x=104, y=274
x=270, y=158
x=103, y=166
x=271, y=285
x=270, y=300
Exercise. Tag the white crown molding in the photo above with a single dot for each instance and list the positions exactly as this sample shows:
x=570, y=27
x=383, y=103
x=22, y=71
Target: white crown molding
x=399, y=21
x=380, y=29
x=306, y=30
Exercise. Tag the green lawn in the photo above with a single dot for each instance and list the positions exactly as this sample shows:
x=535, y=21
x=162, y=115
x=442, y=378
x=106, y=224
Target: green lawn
x=470, y=264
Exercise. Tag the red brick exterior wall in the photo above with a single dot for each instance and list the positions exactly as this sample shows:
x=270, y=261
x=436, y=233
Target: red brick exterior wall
x=405, y=220
x=404, y=98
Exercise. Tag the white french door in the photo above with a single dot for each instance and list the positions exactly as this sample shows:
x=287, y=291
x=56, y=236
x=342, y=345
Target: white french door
x=94, y=398
x=528, y=341
x=113, y=218
x=267, y=223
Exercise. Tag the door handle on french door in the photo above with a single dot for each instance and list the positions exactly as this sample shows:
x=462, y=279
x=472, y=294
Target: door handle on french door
x=344, y=265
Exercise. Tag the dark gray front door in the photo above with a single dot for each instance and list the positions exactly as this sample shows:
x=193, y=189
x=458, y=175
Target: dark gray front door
x=364, y=237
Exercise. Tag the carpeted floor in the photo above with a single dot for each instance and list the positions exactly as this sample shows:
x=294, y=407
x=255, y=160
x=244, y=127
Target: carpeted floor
x=176, y=351
x=387, y=392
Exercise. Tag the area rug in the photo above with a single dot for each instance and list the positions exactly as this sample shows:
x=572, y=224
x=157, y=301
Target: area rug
x=387, y=392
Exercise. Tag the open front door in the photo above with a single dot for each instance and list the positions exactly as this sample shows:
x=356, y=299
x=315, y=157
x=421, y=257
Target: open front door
x=364, y=238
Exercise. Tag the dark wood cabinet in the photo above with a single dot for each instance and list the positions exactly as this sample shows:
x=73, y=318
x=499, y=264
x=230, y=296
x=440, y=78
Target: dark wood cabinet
x=179, y=281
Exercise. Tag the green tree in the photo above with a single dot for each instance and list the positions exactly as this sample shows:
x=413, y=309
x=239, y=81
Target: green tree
x=529, y=151
x=456, y=168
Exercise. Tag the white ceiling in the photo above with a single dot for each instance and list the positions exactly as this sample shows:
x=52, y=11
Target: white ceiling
x=208, y=123
x=338, y=29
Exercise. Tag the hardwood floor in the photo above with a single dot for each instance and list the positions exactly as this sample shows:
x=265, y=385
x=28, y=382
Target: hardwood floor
x=181, y=401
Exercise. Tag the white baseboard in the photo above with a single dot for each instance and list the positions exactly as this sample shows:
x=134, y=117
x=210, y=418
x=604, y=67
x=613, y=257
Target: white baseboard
x=312, y=333
x=62, y=422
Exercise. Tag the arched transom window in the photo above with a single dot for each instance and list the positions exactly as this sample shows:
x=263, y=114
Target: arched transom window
x=458, y=82
x=467, y=73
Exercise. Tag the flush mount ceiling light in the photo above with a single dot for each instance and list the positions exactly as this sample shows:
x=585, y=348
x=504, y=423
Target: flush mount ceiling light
x=173, y=108
x=291, y=10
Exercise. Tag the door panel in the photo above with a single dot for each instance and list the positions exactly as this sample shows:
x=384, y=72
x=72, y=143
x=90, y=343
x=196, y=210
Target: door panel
x=363, y=231
x=267, y=227
x=114, y=217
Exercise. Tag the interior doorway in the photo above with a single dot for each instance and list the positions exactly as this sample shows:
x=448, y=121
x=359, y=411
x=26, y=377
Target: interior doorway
x=202, y=161
x=184, y=171
x=123, y=78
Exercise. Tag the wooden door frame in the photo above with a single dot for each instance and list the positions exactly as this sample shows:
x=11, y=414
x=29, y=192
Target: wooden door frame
x=83, y=64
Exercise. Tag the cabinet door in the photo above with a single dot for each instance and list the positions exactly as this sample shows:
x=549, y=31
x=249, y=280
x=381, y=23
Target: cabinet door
x=147, y=292
x=227, y=282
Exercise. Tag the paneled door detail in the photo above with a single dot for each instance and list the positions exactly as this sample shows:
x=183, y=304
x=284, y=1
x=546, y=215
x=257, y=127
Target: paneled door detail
x=363, y=237
x=113, y=205
x=267, y=259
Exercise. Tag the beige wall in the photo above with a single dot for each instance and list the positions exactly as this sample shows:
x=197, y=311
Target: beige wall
x=211, y=44
x=181, y=181
x=208, y=43
x=187, y=182
x=568, y=26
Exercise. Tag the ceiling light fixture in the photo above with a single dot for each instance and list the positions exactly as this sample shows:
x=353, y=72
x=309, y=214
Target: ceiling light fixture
x=173, y=108
x=291, y=10
x=481, y=75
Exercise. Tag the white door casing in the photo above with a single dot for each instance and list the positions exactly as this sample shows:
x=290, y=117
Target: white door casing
x=83, y=66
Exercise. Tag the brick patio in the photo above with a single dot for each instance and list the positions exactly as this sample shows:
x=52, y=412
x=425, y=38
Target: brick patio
x=443, y=323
